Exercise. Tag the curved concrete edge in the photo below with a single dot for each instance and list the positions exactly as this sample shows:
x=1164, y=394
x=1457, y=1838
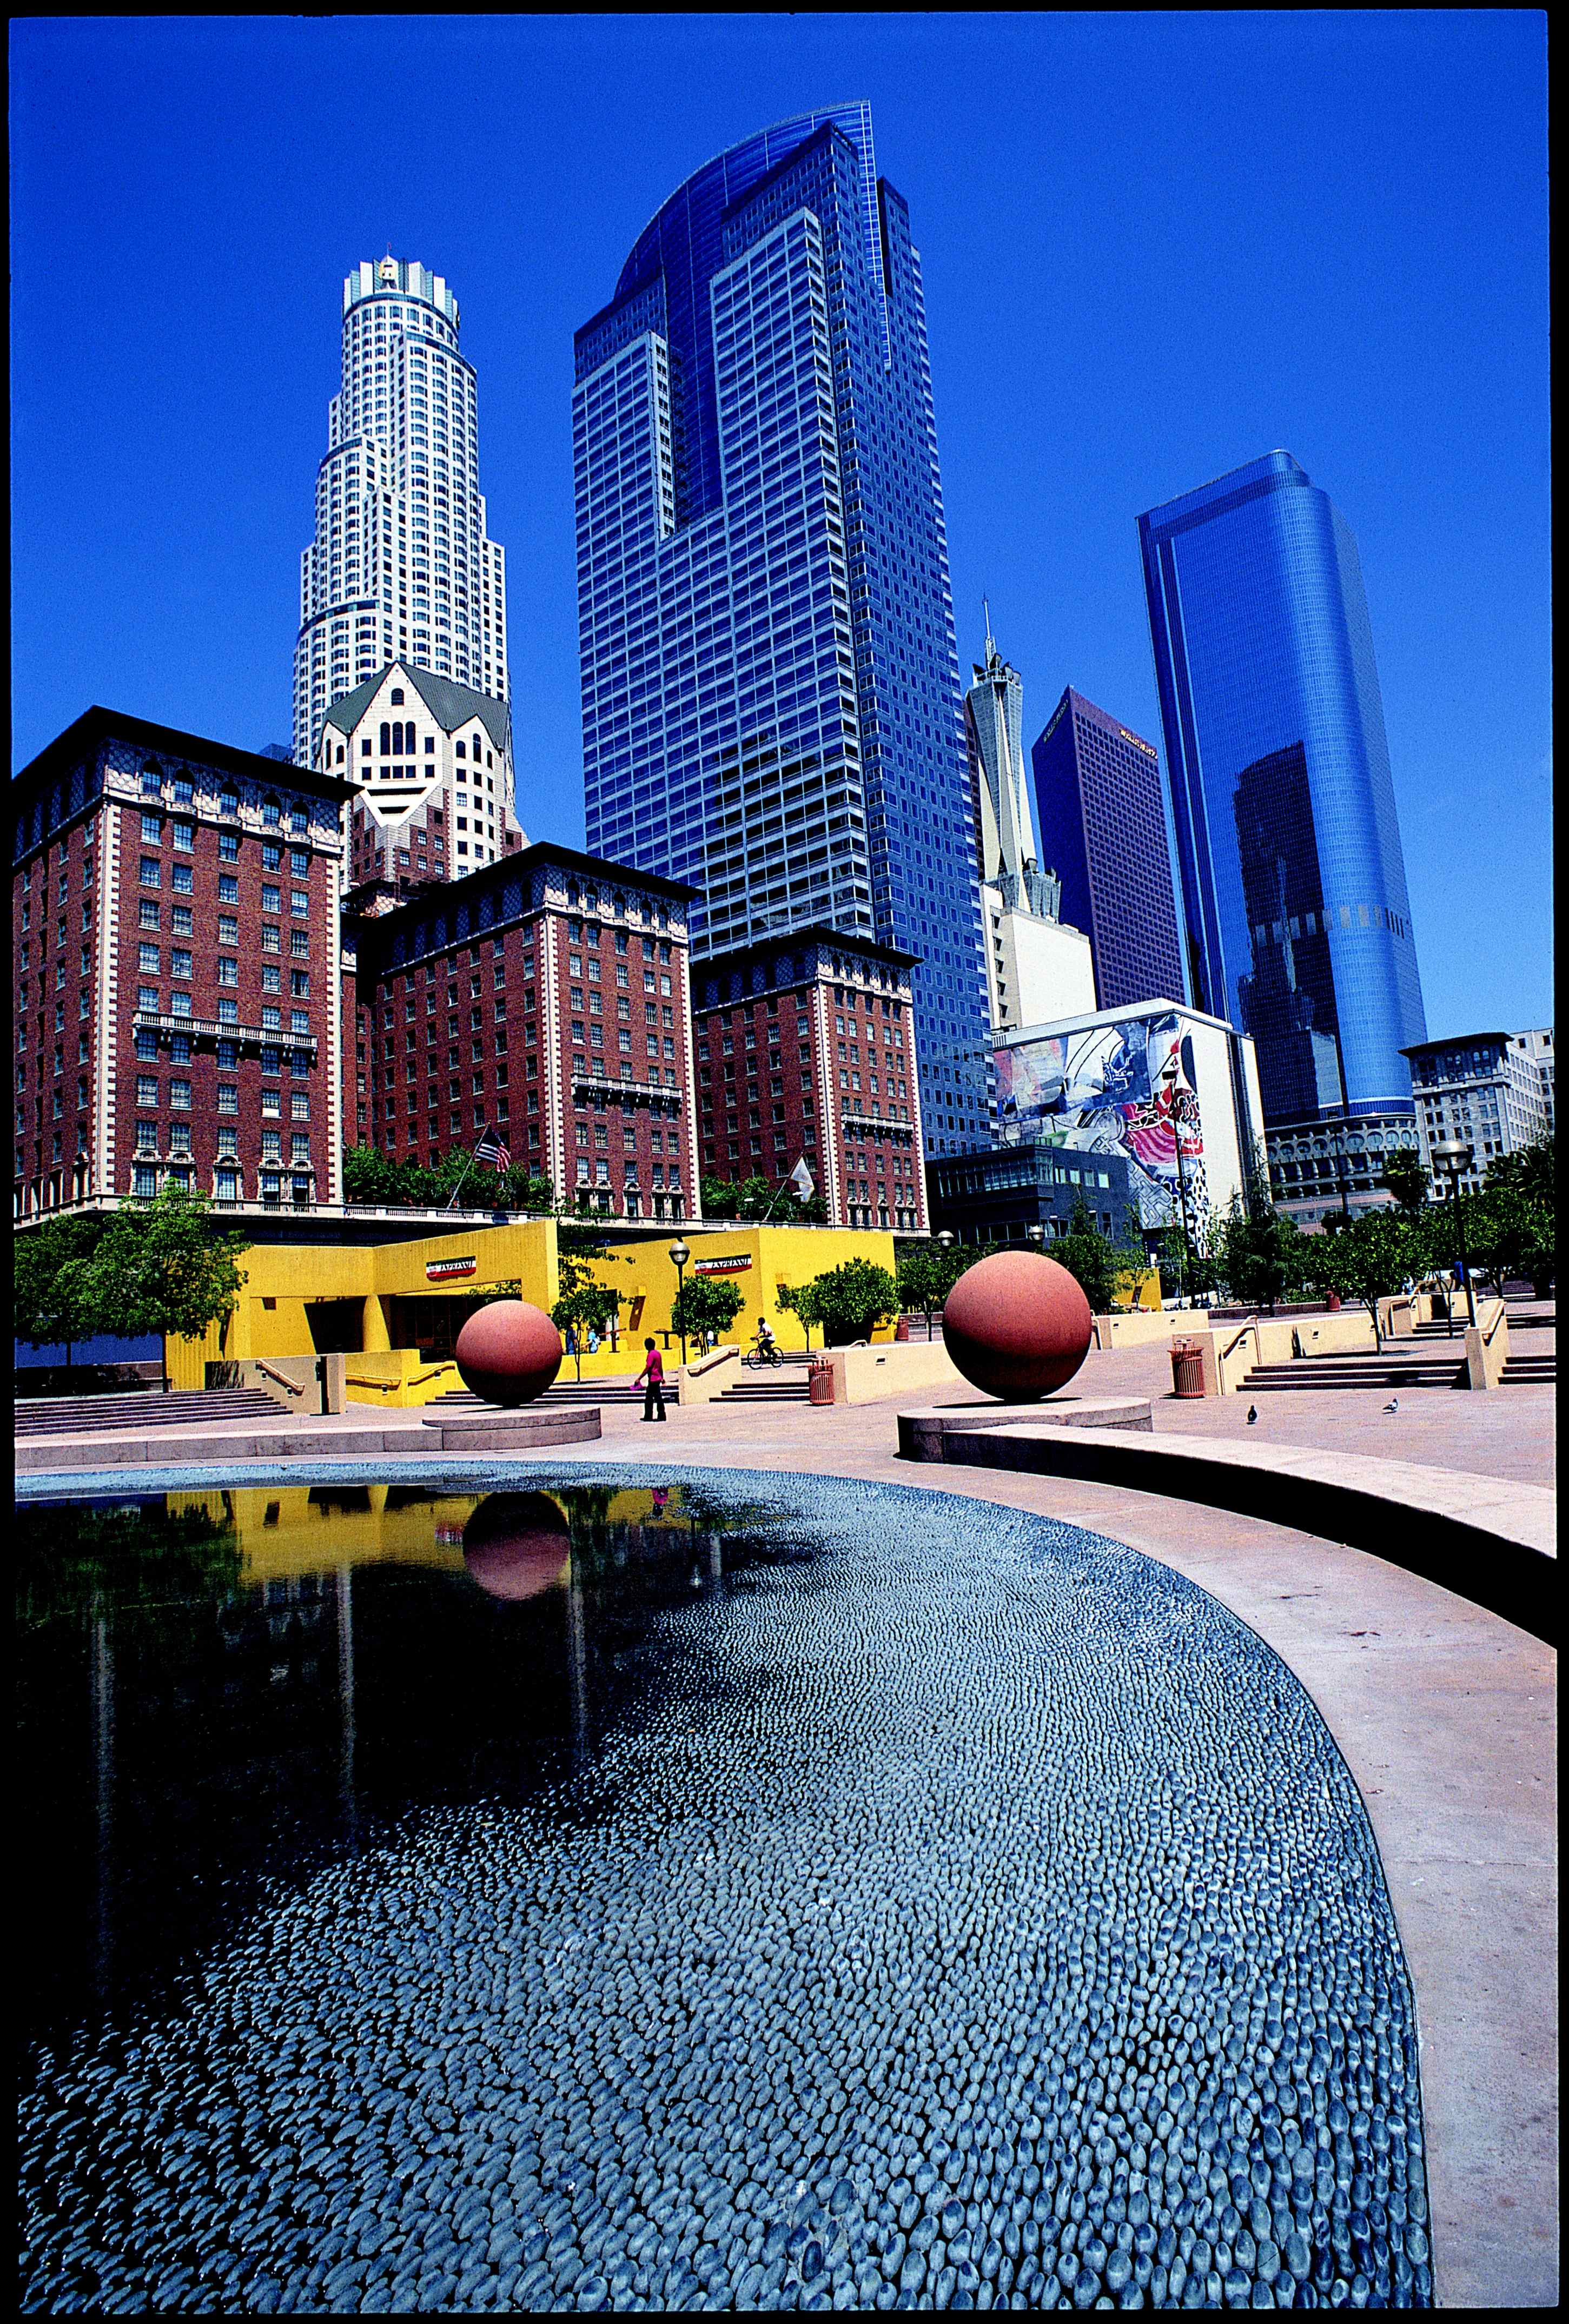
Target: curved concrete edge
x=1483, y=1538
x=501, y=1428
x=921, y=1433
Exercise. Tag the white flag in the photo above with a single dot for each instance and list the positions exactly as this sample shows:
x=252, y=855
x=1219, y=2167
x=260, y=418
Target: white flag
x=802, y=1180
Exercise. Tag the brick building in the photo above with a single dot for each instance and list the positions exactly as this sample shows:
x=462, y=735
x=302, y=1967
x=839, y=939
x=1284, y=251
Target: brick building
x=827, y=1019
x=547, y=995
x=175, y=961
x=431, y=765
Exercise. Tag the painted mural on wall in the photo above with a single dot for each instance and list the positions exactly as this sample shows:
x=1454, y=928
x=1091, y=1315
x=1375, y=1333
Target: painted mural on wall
x=1124, y=1089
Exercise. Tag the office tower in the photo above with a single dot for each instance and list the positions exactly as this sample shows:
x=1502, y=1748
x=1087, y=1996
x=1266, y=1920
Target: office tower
x=770, y=687
x=401, y=567
x=1103, y=824
x=806, y=1053
x=1036, y=967
x=545, y=996
x=1493, y=1092
x=1294, y=886
x=432, y=764
x=177, y=970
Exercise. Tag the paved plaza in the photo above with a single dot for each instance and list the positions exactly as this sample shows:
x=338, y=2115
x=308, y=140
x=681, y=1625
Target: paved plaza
x=1444, y=1714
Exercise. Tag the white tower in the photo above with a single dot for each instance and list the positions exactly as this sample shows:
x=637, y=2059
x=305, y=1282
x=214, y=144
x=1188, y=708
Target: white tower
x=1036, y=969
x=401, y=567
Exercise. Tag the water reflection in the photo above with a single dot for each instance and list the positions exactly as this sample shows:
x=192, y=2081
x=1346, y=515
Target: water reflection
x=222, y=1687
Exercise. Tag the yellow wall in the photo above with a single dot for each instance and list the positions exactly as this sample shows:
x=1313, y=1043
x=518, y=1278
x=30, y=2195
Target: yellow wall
x=271, y=1316
x=643, y=1272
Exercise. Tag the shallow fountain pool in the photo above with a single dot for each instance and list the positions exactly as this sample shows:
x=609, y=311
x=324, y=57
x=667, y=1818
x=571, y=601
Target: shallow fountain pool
x=752, y=1892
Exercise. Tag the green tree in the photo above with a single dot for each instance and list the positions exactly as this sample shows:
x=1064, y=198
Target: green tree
x=1189, y=1255
x=706, y=1303
x=851, y=1299
x=1406, y=1179
x=1259, y=1256
x=370, y=1175
x=1098, y=1265
x=1370, y=1258
x=588, y=1307
x=758, y=1198
x=163, y=1267
x=800, y=1301
x=925, y=1276
x=1532, y=1168
x=52, y=1286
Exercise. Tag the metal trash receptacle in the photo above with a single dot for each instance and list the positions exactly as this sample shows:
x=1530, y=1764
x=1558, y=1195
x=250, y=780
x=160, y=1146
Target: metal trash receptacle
x=1186, y=1367
x=819, y=1383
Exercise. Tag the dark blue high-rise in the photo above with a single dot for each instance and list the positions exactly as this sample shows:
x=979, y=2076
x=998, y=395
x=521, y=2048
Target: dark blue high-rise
x=1289, y=848
x=771, y=705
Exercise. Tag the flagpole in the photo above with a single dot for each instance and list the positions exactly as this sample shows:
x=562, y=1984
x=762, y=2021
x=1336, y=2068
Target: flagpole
x=451, y=1203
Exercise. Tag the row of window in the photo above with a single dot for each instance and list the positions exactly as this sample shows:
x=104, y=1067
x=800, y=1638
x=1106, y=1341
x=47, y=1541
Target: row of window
x=179, y=1145
x=228, y=1186
x=273, y=1061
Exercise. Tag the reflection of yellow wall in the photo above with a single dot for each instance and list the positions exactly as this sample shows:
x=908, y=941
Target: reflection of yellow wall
x=272, y=1318
x=776, y=1255
x=282, y=1534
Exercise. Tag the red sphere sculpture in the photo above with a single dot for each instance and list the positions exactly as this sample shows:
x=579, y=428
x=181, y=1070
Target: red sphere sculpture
x=516, y=1545
x=509, y=1352
x=1017, y=1325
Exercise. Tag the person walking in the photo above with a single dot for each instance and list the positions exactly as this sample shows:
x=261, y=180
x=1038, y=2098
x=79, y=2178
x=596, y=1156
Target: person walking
x=652, y=1380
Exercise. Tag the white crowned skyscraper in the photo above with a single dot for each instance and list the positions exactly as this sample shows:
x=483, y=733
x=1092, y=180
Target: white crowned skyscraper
x=401, y=567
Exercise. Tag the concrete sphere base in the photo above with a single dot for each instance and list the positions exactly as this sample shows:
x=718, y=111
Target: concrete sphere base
x=502, y=1429
x=509, y=1352
x=1017, y=1325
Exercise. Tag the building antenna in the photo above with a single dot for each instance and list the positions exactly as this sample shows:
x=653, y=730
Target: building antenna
x=986, y=602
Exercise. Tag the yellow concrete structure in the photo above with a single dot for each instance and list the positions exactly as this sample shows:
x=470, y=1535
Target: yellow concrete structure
x=394, y=1309
x=757, y=1260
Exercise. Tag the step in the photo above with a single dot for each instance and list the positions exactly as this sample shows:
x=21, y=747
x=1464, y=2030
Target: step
x=89, y=1415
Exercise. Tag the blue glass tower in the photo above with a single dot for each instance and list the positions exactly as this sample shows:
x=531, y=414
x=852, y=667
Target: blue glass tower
x=1293, y=881
x=771, y=685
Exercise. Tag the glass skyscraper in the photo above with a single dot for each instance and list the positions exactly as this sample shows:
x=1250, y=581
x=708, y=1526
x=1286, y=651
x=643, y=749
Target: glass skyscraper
x=1294, y=885
x=1103, y=830
x=771, y=686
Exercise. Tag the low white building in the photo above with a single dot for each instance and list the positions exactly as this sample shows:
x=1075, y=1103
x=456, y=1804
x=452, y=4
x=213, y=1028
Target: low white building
x=432, y=764
x=1173, y=1091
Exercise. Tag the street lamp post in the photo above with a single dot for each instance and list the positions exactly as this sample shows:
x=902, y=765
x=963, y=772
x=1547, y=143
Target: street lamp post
x=1454, y=1157
x=1035, y=1235
x=680, y=1255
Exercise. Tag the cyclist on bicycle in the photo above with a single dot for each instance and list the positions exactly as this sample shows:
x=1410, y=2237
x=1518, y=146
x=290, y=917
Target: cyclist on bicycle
x=765, y=1341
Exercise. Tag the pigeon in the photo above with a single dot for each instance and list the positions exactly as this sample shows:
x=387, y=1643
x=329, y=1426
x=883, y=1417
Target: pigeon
x=1393, y=1405
x=1253, y=1414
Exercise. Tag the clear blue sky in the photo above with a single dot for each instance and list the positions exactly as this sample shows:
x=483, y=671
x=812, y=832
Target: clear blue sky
x=1154, y=247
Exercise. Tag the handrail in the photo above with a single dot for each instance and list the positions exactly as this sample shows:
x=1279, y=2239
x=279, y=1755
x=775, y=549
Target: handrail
x=1488, y=1336
x=1250, y=1325
x=295, y=1388
x=706, y=1363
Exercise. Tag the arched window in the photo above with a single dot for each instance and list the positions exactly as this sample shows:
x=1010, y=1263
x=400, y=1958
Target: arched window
x=396, y=698
x=477, y=746
x=459, y=749
x=272, y=813
x=386, y=738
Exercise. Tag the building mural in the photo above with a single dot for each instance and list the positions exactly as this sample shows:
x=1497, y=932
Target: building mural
x=1126, y=1088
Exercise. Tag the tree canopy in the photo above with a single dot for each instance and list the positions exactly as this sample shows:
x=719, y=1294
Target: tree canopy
x=1099, y=1265
x=1371, y=1258
x=849, y=1300
x=161, y=1266
x=757, y=1198
x=52, y=1284
x=706, y=1303
x=370, y=1176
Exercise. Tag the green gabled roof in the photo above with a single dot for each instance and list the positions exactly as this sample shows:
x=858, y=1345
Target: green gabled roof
x=451, y=705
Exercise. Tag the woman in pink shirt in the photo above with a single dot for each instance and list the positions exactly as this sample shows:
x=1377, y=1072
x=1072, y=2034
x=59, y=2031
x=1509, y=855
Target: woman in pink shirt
x=652, y=1380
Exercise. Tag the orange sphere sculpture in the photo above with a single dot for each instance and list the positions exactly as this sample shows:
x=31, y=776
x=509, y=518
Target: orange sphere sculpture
x=509, y=1352
x=516, y=1545
x=1017, y=1325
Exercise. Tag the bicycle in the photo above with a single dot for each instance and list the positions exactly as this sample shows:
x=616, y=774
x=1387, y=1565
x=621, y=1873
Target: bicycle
x=762, y=1355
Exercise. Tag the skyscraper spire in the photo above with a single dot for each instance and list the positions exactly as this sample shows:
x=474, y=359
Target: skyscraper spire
x=401, y=567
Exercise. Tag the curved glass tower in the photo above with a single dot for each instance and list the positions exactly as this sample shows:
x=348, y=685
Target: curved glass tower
x=1294, y=885
x=771, y=684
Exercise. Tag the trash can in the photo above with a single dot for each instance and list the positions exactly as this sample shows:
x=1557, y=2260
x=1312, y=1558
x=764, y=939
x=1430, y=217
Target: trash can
x=1186, y=1367
x=1332, y=1303
x=819, y=1381
x=901, y=1329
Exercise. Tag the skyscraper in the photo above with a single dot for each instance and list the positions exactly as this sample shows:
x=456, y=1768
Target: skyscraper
x=1294, y=885
x=1037, y=968
x=1103, y=824
x=771, y=685
x=401, y=567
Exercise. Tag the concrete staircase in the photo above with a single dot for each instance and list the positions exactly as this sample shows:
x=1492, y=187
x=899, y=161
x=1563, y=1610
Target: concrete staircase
x=89, y=1416
x=1430, y=1368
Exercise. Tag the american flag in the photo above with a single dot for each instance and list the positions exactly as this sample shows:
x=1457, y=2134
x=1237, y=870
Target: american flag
x=492, y=1147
